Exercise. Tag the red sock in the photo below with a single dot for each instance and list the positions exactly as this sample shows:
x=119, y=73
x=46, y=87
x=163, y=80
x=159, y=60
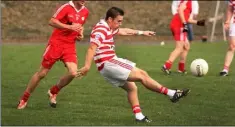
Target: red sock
x=163, y=90
x=226, y=67
x=181, y=66
x=25, y=96
x=55, y=89
x=136, y=109
x=168, y=64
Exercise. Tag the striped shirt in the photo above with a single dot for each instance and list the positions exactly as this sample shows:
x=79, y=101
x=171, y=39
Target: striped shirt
x=102, y=36
x=232, y=3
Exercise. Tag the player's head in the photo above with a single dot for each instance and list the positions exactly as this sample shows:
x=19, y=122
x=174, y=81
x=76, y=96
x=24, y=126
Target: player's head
x=79, y=3
x=114, y=17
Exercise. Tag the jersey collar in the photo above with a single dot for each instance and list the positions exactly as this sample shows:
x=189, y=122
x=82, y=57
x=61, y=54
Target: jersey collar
x=105, y=23
x=72, y=4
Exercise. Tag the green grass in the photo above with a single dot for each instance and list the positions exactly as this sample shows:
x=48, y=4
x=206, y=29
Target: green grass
x=92, y=101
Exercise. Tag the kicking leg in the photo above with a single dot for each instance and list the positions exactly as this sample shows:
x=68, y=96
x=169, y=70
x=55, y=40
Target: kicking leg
x=142, y=76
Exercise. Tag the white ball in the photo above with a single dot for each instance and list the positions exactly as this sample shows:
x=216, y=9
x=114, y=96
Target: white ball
x=199, y=67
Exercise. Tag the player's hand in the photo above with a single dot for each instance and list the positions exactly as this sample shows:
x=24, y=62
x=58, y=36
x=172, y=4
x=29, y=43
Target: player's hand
x=149, y=33
x=201, y=22
x=76, y=27
x=80, y=35
x=82, y=72
x=226, y=26
x=185, y=27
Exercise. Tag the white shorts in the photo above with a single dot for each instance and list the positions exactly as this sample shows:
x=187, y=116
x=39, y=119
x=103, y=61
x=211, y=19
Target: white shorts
x=117, y=70
x=232, y=30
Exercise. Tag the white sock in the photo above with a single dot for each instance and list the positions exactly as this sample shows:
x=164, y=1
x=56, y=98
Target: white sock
x=171, y=93
x=225, y=70
x=139, y=116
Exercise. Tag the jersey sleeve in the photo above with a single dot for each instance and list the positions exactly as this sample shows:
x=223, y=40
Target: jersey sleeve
x=174, y=7
x=61, y=12
x=97, y=37
x=195, y=7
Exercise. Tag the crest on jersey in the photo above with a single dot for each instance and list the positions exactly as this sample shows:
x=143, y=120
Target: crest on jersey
x=77, y=16
x=83, y=18
x=97, y=37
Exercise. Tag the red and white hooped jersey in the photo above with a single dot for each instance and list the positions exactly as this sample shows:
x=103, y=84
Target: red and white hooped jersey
x=232, y=3
x=102, y=36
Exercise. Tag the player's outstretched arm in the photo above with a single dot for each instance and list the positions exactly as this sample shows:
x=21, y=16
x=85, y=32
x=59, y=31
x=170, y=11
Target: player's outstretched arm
x=128, y=31
x=89, y=57
x=197, y=22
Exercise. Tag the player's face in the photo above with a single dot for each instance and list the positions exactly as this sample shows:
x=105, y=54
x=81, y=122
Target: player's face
x=79, y=2
x=116, y=22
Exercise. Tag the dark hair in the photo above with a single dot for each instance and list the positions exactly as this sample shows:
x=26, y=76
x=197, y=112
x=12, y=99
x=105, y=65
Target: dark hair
x=113, y=12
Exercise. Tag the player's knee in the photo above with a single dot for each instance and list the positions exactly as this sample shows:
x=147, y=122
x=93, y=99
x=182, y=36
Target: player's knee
x=133, y=88
x=232, y=47
x=144, y=75
x=73, y=74
x=187, y=48
x=41, y=75
x=179, y=49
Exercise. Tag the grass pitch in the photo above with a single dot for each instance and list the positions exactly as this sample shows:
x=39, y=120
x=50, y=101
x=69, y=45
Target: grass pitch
x=93, y=101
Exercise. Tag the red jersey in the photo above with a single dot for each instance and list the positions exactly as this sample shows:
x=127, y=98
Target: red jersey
x=176, y=21
x=68, y=14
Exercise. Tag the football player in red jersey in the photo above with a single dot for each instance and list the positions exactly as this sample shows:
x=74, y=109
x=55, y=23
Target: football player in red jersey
x=179, y=30
x=68, y=23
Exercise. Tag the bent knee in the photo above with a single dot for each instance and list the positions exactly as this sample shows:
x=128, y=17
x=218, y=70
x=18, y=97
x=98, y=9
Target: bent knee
x=41, y=75
x=73, y=74
x=133, y=88
x=144, y=75
x=187, y=48
x=231, y=47
x=179, y=48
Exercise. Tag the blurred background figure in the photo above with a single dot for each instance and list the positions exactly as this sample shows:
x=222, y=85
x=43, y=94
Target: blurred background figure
x=195, y=11
x=231, y=40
